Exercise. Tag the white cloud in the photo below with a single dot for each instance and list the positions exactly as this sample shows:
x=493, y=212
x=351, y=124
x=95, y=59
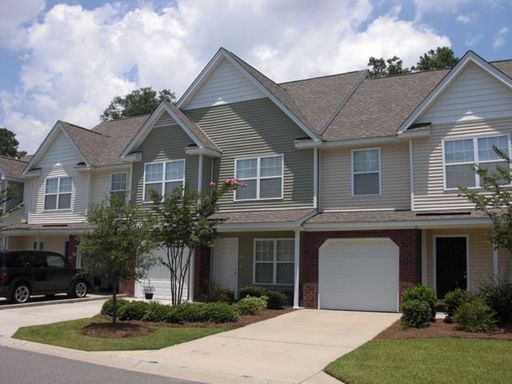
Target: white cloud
x=13, y=14
x=468, y=18
x=443, y=6
x=77, y=60
x=500, y=38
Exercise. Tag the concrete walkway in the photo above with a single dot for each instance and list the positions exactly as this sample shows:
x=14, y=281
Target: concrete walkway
x=292, y=348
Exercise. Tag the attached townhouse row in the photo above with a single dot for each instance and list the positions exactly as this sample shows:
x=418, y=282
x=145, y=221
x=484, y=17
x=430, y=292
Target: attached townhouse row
x=351, y=181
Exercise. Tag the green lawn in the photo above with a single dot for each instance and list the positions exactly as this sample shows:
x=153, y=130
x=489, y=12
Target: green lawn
x=426, y=361
x=67, y=334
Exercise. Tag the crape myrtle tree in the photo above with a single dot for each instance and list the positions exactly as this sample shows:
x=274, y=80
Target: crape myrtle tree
x=118, y=247
x=494, y=198
x=184, y=224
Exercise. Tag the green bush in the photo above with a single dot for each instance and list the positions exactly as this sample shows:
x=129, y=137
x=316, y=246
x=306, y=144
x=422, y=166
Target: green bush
x=415, y=313
x=422, y=293
x=187, y=313
x=106, y=309
x=221, y=313
x=252, y=305
x=475, y=316
x=276, y=300
x=253, y=291
x=157, y=313
x=498, y=296
x=453, y=300
x=134, y=310
x=218, y=294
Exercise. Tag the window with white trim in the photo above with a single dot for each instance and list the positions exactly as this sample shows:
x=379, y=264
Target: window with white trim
x=118, y=184
x=163, y=177
x=273, y=261
x=263, y=177
x=58, y=193
x=366, y=172
x=462, y=154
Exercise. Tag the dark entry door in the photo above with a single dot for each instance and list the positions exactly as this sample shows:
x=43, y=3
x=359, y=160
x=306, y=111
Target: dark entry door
x=450, y=264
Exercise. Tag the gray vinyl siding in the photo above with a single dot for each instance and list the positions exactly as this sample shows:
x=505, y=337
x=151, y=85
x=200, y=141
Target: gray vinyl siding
x=164, y=143
x=336, y=179
x=429, y=193
x=258, y=127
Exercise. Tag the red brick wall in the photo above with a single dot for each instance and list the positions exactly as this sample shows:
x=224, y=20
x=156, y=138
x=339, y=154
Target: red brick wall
x=127, y=288
x=408, y=240
x=201, y=271
x=71, y=251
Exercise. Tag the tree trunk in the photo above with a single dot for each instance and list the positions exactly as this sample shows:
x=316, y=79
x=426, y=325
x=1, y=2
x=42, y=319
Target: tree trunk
x=114, y=303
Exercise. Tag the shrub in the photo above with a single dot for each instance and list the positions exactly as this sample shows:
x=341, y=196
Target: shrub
x=415, y=313
x=422, y=293
x=252, y=305
x=187, y=313
x=106, y=309
x=134, y=310
x=276, y=300
x=221, y=313
x=498, y=296
x=157, y=313
x=218, y=294
x=475, y=316
x=453, y=300
x=253, y=291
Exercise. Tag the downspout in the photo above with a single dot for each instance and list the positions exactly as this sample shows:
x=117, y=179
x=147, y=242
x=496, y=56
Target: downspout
x=411, y=173
x=296, y=265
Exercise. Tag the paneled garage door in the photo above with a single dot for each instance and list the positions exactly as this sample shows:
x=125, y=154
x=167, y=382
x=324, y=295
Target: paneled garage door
x=359, y=274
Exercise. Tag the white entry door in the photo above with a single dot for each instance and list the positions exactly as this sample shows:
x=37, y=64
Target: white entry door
x=359, y=274
x=225, y=263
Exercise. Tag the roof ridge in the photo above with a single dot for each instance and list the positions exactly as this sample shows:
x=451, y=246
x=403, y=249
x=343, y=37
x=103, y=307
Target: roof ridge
x=411, y=73
x=82, y=128
x=321, y=77
x=246, y=63
x=499, y=61
x=13, y=158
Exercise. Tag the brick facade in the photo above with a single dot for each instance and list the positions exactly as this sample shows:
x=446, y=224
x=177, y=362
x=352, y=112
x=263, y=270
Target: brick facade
x=201, y=271
x=408, y=240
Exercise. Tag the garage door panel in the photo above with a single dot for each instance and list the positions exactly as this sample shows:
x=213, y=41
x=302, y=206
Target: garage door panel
x=359, y=274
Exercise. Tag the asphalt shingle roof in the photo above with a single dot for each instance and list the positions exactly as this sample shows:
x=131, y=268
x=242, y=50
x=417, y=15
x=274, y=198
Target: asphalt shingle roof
x=12, y=167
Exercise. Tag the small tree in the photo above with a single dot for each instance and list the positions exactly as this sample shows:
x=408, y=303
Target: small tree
x=440, y=58
x=9, y=144
x=495, y=200
x=380, y=67
x=119, y=245
x=184, y=225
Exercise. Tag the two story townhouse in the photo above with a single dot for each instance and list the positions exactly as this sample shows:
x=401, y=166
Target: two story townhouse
x=351, y=181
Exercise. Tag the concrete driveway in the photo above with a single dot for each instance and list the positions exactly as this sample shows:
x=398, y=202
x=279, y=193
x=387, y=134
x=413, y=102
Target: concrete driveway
x=292, y=348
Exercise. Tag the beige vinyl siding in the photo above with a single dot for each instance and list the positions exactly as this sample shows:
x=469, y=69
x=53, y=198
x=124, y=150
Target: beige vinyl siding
x=224, y=85
x=164, y=143
x=51, y=243
x=473, y=94
x=101, y=184
x=480, y=254
x=246, y=256
x=61, y=151
x=255, y=128
x=429, y=193
x=336, y=179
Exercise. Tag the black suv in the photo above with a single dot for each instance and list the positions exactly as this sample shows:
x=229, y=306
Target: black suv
x=25, y=273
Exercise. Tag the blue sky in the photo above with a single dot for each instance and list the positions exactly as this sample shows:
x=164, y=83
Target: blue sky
x=67, y=59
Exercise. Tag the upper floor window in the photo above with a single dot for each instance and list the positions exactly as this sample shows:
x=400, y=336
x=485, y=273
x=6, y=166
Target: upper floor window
x=58, y=193
x=263, y=177
x=366, y=172
x=274, y=261
x=163, y=177
x=461, y=155
x=118, y=183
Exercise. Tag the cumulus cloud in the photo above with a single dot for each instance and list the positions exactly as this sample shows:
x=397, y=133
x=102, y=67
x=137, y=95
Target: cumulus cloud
x=76, y=60
x=13, y=14
x=500, y=38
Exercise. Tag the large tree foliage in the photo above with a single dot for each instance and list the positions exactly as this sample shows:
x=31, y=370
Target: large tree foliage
x=137, y=102
x=118, y=246
x=380, y=67
x=184, y=224
x=440, y=58
x=9, y=144
x=494, y=198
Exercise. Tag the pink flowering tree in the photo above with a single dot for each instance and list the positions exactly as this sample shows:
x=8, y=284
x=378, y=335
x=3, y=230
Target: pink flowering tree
x=185, y=224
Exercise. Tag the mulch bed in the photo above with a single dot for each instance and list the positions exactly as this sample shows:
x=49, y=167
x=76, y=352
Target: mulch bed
x=114, y=331
x=440, y=329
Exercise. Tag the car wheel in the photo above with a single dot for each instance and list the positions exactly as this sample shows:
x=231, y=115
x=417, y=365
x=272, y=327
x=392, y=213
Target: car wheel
x=79, y=289
x=21, y=294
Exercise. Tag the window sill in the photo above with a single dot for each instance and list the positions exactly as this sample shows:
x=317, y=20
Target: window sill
x=257, y=200
x=57, y=210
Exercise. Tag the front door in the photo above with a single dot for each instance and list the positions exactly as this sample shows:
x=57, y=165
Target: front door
x=225, y=263
x=451, y=264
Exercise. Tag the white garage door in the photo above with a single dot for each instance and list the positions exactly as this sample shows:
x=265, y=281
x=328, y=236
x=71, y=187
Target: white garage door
x=359, y=274
x=158, y=277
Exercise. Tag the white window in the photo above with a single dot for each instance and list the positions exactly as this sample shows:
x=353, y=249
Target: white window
x=273, y=261
x=263, y=177
x=58, y=193
x=118, y=184
x=366, y=172
x=163, y=178
x=461, y=155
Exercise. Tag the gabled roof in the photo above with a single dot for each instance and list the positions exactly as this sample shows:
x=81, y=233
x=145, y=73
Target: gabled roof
x=469, y=57
x=191, y=129
x=11, y=167
x=272, y=90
